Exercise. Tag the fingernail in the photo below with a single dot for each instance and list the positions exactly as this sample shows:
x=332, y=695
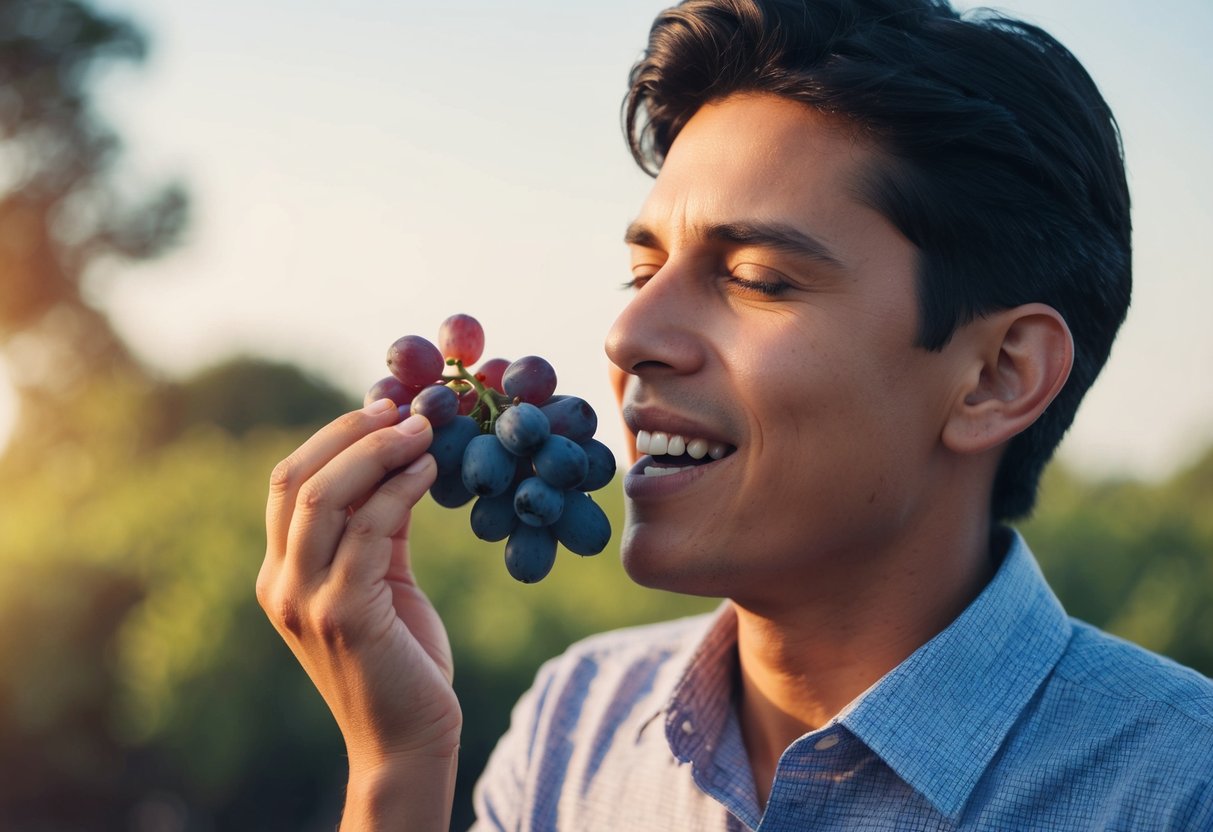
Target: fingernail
x=418, y=464
x=414, y=424
x=378, y=406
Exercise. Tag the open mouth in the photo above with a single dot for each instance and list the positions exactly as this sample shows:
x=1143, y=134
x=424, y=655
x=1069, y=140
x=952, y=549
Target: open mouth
x=672, y=453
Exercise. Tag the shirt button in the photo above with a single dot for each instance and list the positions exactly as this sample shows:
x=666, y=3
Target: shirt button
x=826, y=743
x=687, y=728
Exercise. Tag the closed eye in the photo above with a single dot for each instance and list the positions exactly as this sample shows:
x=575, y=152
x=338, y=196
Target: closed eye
x=763, y=287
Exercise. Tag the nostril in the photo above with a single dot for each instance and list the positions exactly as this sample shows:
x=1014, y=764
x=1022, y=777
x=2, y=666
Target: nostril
x=649, y=365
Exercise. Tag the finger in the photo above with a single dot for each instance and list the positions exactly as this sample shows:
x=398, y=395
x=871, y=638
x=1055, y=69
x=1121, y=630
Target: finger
x=320, y=516
x=381, y=519
x=290, y=474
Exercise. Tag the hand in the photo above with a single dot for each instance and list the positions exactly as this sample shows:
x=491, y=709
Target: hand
x=338, y=586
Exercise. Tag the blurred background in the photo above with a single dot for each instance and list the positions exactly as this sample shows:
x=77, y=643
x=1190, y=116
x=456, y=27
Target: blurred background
x=214, y=218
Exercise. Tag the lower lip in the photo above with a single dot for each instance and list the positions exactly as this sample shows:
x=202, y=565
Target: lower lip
x=637, y=486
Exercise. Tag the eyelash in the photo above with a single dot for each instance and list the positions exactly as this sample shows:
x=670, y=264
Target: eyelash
x=762, y=287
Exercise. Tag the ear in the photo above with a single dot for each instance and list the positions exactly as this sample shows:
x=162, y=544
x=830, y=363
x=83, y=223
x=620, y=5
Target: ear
x=1022, y=359
x=619, y=383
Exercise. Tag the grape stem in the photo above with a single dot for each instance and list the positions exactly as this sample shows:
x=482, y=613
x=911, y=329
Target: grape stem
x=489, y=399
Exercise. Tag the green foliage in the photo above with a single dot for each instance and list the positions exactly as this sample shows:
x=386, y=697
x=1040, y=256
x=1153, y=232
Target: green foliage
x=1134, y=559
x=242, y=393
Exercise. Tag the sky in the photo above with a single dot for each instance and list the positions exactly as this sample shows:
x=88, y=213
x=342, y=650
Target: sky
x=362, y=170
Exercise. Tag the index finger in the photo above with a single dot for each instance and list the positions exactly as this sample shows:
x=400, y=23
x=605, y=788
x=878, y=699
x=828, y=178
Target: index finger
x=292, y=472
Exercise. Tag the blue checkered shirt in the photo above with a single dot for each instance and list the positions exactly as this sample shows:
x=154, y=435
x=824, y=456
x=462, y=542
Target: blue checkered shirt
x=1015, y=717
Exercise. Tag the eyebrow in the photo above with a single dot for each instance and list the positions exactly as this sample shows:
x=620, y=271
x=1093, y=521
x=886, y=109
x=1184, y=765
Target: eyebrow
x=775, y=236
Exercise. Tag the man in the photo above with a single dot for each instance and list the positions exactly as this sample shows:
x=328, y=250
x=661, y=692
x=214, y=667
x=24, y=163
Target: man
x=886, y=253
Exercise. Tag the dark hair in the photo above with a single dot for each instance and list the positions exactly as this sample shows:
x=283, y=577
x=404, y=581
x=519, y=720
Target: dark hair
x=1004, y=164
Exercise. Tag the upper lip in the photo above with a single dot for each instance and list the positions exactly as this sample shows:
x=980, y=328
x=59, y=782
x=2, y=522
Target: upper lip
x=654, y=419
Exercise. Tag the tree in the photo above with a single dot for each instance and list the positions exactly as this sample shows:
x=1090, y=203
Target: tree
x=63, y=212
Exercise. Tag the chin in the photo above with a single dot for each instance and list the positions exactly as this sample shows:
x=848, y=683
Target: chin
x=674, y=565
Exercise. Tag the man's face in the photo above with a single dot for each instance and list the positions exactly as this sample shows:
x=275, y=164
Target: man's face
x=774, y=320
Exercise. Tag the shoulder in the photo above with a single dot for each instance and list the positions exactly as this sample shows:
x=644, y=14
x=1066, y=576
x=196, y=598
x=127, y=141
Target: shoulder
x=1127, y=675
x=1117, y=737
x=599, y=689
x=625, y=657
x=1141, y=719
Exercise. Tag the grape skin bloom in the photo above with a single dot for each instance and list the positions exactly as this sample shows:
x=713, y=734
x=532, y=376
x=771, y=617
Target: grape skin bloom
x=488, y=468
x=572, y=417
x=601, y=468
x=583, y=527
x=530, y=553
x=561, y=462
x=523, y=429
x=493, y=518
x=537, y=503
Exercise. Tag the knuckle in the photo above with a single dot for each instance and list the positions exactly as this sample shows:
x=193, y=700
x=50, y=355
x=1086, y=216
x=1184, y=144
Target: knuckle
x=311, y=496
x=283, y=475
x=361, y=527
x=264, y=590
x=282, y=609
x=330, y=625
x=382, y=442
x=353, y=422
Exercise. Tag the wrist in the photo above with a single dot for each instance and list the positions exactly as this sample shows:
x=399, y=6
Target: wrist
x=412, y=792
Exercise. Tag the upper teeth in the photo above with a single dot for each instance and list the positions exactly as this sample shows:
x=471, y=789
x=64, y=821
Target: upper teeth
x=658, y=443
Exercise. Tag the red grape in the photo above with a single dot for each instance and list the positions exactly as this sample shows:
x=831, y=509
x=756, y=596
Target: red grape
x=437, y=403
x=490, y=372
x=461, y=337
x=468, y=401
x=389, y=388
x=530, y=379
x=415, y=361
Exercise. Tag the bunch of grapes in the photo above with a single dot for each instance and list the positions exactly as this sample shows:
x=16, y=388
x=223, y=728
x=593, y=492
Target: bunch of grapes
x=504, y=438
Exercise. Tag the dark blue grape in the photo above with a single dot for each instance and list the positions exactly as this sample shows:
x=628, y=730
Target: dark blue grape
x=561, y=462
x=572, y=417
x=523, y=429
x=602, y=465
x=449, y=442
x=488, y=468
x=437, y=403
x=536, y=503
x=583, y=527
x=493, y=518
x=530, y=379
x=448, y=491
x=530, y=553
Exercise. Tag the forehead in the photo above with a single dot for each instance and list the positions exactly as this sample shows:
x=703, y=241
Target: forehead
x=761, y=156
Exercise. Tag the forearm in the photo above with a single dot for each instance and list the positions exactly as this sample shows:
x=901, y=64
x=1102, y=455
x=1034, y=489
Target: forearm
x=409, y=796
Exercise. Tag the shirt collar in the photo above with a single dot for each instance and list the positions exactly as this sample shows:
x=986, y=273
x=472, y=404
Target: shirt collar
x=939, y=717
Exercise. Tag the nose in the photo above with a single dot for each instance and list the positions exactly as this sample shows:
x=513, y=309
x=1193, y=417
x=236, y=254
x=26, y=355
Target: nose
x=659, y=331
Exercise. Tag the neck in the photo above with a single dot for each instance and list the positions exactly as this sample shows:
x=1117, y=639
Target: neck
x=801, y=664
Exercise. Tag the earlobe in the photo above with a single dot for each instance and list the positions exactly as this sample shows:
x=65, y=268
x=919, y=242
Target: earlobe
x=1022, y=360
